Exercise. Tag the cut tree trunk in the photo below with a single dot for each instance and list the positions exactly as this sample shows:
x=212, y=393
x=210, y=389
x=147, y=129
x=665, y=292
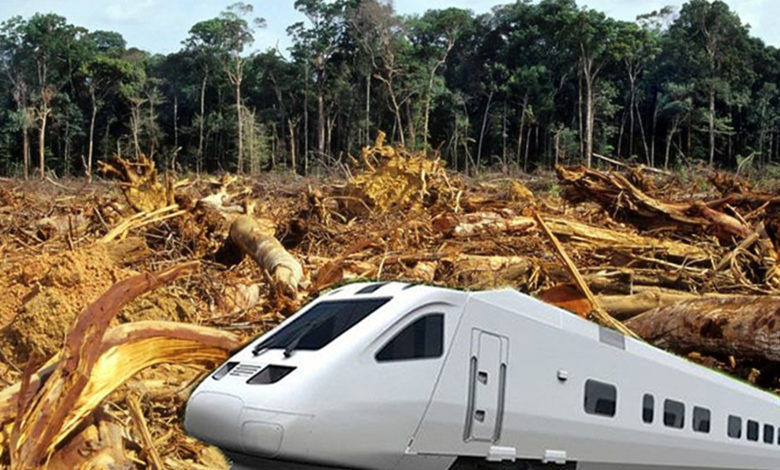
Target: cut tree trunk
x=257, y=240
x=748, y=327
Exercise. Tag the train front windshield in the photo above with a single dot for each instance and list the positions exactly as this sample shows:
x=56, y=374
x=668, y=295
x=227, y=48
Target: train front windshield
x=321, y=324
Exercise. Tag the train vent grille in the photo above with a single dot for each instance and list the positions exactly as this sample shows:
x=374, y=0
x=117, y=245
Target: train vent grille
x=245, y=370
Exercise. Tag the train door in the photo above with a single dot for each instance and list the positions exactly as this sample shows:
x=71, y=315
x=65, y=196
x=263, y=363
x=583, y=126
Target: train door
x=486, y=386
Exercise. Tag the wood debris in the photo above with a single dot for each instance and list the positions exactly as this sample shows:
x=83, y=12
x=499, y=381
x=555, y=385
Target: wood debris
x=694, y=272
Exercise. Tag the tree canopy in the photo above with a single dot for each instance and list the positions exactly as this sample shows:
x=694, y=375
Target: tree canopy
x=528, y=85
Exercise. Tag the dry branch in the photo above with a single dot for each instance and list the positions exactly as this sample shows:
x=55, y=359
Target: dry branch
x=598, y=312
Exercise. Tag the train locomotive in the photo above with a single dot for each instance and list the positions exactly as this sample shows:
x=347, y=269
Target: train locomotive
x=395, y=376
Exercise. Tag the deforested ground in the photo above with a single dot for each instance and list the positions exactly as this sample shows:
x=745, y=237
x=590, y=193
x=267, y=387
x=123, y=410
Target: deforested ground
x=95, y=375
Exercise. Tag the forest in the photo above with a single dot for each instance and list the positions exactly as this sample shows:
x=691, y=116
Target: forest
x=526, y=86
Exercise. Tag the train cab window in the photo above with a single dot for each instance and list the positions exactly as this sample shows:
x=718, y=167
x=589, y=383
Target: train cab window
x=701, y=419
x=769, y=434
x=423, y=339
x=600, y=398
x=735, y=427
x=674, y=414
x=648, y=408
x=321, y=324
x=752, y=430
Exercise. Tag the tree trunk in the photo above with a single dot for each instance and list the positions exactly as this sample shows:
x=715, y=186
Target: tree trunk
x=742, y=326
x=26, y=152
x=240, y=142
x=632, y=99
x=522, y=126
x=91, y=138
x=367, y=136
x=589, y=118
x=291, y=130
x=42, y=142
x=482, y=130
x=199, y=156
x=175, y=122
x=712, y=126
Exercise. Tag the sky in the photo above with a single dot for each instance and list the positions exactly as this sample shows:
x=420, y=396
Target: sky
x=160, y=25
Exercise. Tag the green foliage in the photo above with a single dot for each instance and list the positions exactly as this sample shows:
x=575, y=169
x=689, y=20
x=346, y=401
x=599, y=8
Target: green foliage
x=529, y=84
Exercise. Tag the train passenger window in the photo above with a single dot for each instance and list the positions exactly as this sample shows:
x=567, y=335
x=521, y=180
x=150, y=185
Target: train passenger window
x=600, y=398
x=769, y=434
x=674, y=414
x=735, y=426
x=752, y=430
x=423, y=339
x=648, y=408
x=701, y=419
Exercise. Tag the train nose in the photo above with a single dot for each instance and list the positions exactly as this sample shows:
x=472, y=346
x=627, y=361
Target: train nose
x=223, y=420
x=215, y=418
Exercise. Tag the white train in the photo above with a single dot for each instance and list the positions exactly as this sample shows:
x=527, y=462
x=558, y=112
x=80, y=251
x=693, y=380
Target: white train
x=398, y=376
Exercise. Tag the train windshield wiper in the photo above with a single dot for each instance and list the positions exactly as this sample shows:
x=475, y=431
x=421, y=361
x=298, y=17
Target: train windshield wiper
x=311, y=326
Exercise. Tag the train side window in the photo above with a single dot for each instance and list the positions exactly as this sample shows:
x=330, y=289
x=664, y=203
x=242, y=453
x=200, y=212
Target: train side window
x=735, y=427
x=769, y=434
x=600, y=398
x=423, y=339
x=701, y=419
x=648, y=408
x=674, y=414
x=752, y=430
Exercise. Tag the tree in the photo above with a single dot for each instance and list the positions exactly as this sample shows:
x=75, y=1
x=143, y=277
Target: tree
x=102, y=74
x=597, y=38
x=225, y=37
x=710, y=40
x=433, y=35
x=49, y=41
x=316, y=44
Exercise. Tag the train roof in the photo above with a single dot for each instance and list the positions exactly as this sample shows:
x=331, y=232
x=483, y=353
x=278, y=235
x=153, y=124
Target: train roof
x=510, y=300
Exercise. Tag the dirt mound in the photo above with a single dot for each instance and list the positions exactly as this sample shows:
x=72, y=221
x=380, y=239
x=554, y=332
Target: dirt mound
x=43, y=294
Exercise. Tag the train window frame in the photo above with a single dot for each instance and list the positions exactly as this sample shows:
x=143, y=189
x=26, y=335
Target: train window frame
x=701, y=421
x=674, y=409
x=769, y=434
x=596, y=395
x=752, y=432
x=734, y=427
x=437, y=348
x=648, y=408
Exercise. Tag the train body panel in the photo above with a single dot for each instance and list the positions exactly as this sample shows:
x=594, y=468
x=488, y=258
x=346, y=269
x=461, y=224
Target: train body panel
x=508, y=378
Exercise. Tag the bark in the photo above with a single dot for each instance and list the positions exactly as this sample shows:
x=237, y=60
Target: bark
x=91, y=136
x=239, y=136
x=748, y=327
x=711, y=124
x=199, y=156
x=291, y=130
x=257, y=240
x=482, y=130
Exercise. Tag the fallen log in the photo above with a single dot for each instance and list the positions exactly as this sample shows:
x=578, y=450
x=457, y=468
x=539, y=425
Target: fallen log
x=619, y=196
x=590, y=236
x=746, y=326
x=259, y=243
